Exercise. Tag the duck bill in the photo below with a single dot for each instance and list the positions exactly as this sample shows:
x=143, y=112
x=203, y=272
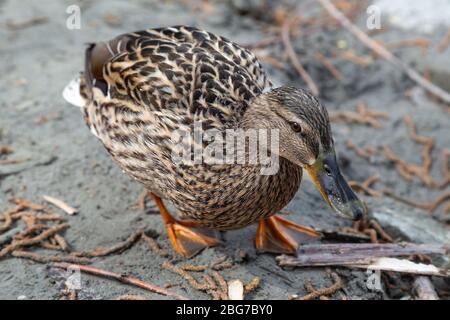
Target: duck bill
x=334, y=188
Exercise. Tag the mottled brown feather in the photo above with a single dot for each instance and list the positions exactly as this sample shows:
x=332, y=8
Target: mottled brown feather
x=160, y=80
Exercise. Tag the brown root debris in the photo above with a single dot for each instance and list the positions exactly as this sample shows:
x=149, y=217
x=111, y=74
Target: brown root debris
x=366, y=153
x=214, y=285
x=321, y=293
x=371, y=228
x=117, y=248
x=366, y=186
x=362, y=115
x=252, y=285
x=408, y=171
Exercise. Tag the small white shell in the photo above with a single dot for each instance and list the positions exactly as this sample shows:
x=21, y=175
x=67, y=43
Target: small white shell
x=235, y=290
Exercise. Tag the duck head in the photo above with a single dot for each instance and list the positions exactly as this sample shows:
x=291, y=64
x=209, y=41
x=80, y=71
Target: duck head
x=305, y=139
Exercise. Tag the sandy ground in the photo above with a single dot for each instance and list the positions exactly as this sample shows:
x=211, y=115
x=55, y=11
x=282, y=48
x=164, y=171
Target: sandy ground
x=64, y=160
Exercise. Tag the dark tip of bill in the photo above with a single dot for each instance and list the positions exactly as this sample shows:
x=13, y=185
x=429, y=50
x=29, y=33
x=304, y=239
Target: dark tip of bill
x=358, y=212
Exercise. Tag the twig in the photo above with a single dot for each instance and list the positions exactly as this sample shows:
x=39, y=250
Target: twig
x=351, y=56
x=131, y=297
x=62, y=243
x=216, y=286
x=154, y=246
x=101, y=252
x=47, y=259
x=383, y=52
x=407, y=170
x=223, y=286
x=430, y=206
x=221, y=263
x=445, y=155
x=120, y=277
x=252, y=285
x=366, y=186
x=11, y=161
x=50, y=246
x=28, y=204
x=285, y=35
x=22, y=25
x=423, y=43
x=60, y=204
x=337, y=285
x=363, y=115
x=49, y=217
x=363, y=153
x=329, y=66
x=7, y=221
x=376, y=226
x=190, y=279
x=27, y=242
x=194, y=268
x=222, y=266
x=31, y=230
x=444, y=42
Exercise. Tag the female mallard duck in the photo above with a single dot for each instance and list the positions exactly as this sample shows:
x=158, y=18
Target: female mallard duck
x=141, y=87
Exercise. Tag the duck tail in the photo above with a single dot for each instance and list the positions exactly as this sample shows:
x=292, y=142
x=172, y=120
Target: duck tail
x=79, y=90
x=72, y=93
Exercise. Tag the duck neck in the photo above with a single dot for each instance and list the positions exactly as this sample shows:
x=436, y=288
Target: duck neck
x=256, y=115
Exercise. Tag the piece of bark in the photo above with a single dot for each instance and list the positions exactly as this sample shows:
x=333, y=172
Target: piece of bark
x=404, y=266
x=424, y=289
x=354, y=253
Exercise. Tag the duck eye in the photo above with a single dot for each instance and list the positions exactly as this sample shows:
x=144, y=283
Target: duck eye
x=296, y=127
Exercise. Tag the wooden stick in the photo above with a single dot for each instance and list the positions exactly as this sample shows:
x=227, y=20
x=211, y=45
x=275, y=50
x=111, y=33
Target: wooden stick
x=120, y=277
x=384, y=53
x=285, y=35
x=355, y=253
x=329, y=66
x=60, y=204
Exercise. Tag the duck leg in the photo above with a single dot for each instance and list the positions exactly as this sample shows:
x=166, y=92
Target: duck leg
x=278, y=235
x=186, y=236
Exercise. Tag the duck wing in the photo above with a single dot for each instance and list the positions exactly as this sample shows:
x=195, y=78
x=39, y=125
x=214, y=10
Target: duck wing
x=181, y=70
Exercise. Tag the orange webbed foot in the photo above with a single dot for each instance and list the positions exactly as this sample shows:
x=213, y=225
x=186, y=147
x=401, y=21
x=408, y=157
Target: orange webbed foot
x=186, y=236
x=278, y=235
